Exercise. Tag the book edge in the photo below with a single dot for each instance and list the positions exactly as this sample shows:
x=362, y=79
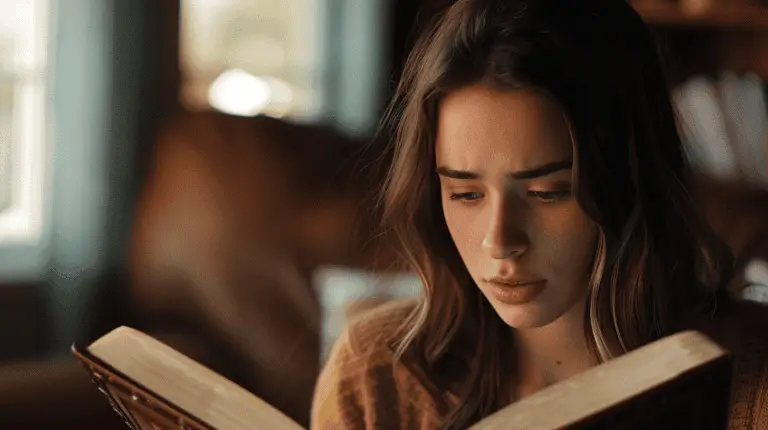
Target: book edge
x=246, y=396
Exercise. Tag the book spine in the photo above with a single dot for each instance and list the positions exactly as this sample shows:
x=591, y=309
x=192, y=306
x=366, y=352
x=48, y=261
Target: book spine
x=98, y=380
x=138, y=411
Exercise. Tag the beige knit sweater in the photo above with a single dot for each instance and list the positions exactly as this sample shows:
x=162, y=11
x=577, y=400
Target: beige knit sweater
x=363, y=387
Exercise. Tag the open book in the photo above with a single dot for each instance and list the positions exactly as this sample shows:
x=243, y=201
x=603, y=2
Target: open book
x=154, y=387
x=684, y=377
x=681, y=381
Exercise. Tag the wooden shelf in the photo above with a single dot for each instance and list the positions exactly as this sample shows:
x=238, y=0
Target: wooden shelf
x=745, y=16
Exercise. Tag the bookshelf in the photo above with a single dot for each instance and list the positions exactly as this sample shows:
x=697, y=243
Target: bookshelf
x=726, y=15
x=709, y=36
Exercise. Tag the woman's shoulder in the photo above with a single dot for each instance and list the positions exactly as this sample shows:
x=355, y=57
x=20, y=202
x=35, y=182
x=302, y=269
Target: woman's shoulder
x=745, y=333
x=378, y=329
x=362, y=382
x=368, y=344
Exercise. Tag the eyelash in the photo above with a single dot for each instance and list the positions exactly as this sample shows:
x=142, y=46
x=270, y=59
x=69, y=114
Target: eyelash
x=547, y=197
x=550, y=197
x=464, y=196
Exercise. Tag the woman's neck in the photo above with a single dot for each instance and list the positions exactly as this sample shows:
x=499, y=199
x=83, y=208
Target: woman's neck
x=547, y=355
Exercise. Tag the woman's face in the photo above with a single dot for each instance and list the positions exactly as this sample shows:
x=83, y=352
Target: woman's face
x=504, y=161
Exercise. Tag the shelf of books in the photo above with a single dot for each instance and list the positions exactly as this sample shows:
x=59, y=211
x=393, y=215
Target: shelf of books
x=736, y=14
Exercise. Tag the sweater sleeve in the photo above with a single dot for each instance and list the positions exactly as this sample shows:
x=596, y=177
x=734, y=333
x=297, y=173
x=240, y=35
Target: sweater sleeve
x=749, y=409
x=337, y=402
x=760, y=377
x=363, y=386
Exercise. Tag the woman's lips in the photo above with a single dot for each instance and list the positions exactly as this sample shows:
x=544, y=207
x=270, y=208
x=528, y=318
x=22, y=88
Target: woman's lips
x=514, y=293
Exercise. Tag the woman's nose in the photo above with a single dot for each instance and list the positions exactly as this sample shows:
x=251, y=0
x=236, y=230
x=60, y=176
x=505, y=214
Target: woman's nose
x=505, y=237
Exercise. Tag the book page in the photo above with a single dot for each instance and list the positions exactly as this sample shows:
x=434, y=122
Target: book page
x=187, y=384
x=626, y=379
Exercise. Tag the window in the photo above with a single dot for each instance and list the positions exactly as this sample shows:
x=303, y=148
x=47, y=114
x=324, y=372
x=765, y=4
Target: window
x=249, y=58
x=23, y=130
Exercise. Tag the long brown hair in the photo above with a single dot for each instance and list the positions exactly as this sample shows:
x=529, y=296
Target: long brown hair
x=656, y=265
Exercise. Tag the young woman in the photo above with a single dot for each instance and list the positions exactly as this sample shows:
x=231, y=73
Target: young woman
x=537, y=187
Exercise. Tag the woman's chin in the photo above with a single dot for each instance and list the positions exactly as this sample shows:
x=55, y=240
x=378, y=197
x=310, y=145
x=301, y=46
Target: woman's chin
x=524, y=316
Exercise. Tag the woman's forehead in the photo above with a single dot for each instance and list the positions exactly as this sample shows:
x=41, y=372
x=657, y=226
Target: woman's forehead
x=515, y=130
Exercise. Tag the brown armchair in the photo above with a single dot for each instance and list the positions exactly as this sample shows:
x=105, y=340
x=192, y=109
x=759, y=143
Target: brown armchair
x=234, y=217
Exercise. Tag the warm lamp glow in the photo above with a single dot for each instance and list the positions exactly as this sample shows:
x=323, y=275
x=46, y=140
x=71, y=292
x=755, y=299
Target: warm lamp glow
x=239, y=93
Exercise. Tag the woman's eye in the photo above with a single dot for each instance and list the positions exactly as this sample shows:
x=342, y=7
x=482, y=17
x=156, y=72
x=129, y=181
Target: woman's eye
x=467, y=197
x=550, y=196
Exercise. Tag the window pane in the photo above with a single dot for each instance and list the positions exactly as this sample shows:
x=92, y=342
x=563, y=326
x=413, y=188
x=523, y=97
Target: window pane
x=6, y=138
x=23, y=48
x=252, y=57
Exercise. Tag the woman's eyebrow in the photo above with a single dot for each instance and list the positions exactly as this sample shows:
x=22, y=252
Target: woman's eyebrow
x=457, y=174
x=536, y=172
x=544, y=170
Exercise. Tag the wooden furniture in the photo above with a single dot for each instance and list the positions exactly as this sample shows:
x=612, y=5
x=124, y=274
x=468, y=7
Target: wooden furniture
x=719, y=14
x=710, y=35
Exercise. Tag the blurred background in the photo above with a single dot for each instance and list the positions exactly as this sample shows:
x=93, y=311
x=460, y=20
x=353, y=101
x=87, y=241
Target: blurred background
x=191, y=168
